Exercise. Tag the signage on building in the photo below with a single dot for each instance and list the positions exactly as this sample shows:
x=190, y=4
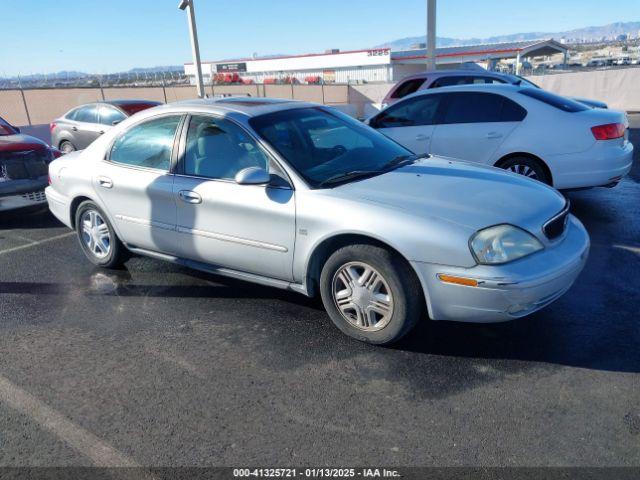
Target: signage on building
x=231, y=67
x=329, y=76
x=378, y=52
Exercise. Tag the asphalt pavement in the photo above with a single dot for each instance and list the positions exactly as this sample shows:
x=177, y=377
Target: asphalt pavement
x=160, y=365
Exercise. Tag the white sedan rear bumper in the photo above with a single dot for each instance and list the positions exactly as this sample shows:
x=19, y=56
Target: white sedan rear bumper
x=602, y=165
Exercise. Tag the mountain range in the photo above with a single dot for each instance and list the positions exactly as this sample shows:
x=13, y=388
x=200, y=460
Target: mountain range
x=595, y=33
x=580, y=34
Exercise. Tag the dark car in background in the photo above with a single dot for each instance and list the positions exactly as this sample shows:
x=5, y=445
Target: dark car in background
x=80, y=126
x=24, y=168
x=449, y=78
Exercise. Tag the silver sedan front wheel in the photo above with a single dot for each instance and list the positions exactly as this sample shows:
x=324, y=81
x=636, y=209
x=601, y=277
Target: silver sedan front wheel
x=371, y=293
x=362, y=295
x=95, y=233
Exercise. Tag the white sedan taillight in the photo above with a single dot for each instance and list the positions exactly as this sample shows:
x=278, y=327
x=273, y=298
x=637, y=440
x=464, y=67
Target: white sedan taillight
x=610, y=131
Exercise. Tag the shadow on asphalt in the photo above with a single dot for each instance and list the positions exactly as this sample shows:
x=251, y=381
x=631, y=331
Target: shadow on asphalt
x=32, y=219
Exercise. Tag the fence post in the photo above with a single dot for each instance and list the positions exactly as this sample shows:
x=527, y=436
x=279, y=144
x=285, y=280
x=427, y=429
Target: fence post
x=26, y=108
x=100, y=84
x=322, y=88
x=164, y=90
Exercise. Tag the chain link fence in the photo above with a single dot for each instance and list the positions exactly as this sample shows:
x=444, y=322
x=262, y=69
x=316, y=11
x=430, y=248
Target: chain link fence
x=81, y=80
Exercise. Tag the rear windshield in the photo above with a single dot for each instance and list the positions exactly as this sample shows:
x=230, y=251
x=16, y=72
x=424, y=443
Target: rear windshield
x=562, y=103
x=132, y=108
x=408, y=87
x=6, y=128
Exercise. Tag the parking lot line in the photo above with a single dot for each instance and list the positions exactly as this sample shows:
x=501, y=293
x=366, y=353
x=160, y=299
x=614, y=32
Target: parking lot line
x=99, y=452
x=629, y=248
x=34, y=243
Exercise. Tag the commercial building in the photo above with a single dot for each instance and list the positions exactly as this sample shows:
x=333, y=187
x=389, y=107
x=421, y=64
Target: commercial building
x=365, y=66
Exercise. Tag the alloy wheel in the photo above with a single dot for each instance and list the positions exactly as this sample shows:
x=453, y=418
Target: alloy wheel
x=525, y=170
x=95, y=234
x=362, y=296
x=67, y=147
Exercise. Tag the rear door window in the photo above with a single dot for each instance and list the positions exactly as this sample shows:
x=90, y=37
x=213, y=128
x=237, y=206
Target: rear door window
x=408, y=87
x=471, y=107
x=110, y=116
x=88, y=114
x=481, y=80
x=511, y=111
x=148, y=144
x=450, y=81
x=422, y=110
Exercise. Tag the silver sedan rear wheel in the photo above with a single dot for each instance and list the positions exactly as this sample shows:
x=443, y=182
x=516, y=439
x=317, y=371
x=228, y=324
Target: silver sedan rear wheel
x=362, y=296
x=95, y=233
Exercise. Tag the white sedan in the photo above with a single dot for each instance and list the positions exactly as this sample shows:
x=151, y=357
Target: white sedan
x=530, y=131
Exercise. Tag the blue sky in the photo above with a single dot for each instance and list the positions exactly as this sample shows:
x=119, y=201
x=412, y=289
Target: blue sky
x=100, y=36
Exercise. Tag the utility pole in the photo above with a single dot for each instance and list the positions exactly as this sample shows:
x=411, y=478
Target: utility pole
x=431, y=34
x=195, y=48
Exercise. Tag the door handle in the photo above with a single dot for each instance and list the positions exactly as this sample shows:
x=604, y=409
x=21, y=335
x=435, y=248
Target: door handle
x=100, y=132
x=494, y=135
x=422, y=138
x=105, y=182
x=189, y=197
x=75, y=129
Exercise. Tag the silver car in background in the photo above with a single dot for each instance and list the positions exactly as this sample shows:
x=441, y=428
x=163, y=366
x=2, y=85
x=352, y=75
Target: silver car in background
x=299, y=196
x=76, y=129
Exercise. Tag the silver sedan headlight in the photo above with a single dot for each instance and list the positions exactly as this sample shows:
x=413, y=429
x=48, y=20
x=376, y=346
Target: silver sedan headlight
x=502, y=244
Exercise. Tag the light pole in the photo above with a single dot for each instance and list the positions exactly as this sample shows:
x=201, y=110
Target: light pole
x=431, y=34
x=195, y=49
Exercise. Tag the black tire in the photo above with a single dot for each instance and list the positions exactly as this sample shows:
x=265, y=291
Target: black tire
x=398, y=277
x=527, y=166
x=116, y=253
x=67, y=147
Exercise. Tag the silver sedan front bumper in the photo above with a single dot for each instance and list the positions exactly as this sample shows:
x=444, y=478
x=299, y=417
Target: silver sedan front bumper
x=506, y=292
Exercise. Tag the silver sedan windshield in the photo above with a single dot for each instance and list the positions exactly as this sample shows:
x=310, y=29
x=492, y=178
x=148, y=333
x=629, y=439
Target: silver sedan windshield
x=324, y=146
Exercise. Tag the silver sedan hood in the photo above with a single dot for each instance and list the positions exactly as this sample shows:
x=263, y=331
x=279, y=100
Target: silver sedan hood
x=467, y=194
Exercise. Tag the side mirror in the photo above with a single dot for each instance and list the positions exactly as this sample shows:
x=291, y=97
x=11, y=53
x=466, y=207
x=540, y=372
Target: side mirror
x=253, y=176
x=16, y=129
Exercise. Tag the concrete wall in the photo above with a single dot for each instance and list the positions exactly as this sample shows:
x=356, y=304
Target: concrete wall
x=253, y=90
x=12, y=107
x=45, y=105
x=620, y=88
x=176, y=94
x=366, y=98
x=155, y=94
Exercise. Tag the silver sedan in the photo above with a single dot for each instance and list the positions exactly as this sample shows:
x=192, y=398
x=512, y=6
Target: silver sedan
x=301, y=197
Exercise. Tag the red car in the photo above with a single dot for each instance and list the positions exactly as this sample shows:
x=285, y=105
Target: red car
x=24, y=165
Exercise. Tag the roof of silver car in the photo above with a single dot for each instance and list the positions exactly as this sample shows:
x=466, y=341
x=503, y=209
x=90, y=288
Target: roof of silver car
x=459, y=72
x=250, y=106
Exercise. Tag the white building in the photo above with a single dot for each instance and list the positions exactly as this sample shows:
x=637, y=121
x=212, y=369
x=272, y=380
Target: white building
x=358, y=66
